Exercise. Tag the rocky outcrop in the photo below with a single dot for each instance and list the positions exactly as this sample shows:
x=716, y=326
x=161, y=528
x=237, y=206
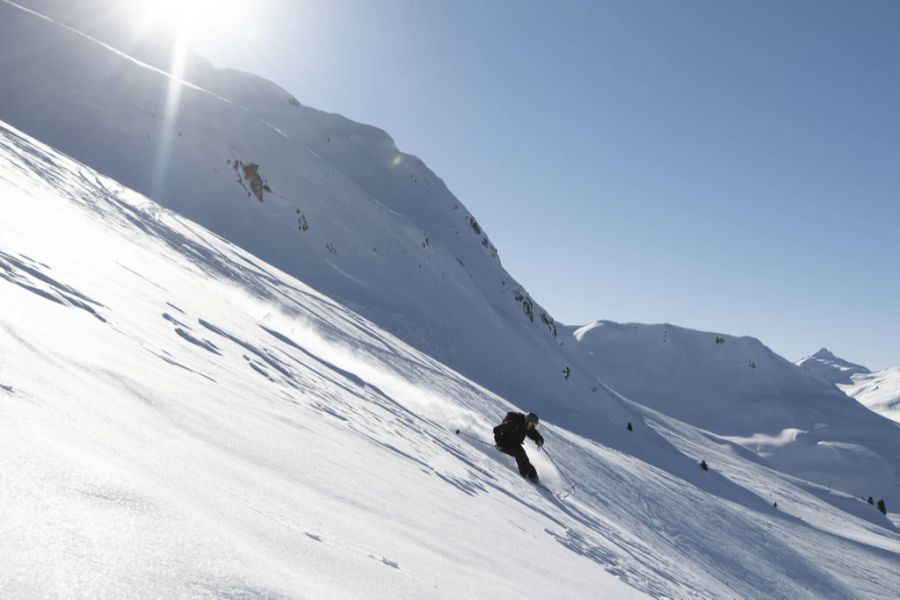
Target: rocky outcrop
x=248, y=175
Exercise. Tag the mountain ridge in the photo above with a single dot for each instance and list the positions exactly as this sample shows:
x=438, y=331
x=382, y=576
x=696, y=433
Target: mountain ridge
x=831, y=368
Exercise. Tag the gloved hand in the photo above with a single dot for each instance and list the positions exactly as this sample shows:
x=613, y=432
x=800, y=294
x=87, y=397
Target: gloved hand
x=540, y=442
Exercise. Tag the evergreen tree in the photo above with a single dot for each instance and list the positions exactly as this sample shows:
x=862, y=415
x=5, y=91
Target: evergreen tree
x=882, y=507
x=630, y=428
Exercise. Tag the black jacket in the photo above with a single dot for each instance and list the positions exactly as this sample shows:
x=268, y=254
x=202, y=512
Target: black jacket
x=513, y=429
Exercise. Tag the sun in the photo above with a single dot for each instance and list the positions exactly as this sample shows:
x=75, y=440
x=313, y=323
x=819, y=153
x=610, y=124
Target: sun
x=189, y=18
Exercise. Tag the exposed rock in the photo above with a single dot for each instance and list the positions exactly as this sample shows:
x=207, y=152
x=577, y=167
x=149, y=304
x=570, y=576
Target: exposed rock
x=251, y=174
x=527, y=304
x=248, y=173
x=549, y=322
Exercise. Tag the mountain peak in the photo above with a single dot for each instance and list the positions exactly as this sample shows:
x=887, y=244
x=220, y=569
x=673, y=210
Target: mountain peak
x=832, y=368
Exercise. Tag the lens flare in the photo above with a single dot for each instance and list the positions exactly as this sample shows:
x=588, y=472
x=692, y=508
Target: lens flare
x=183, y=23
x=190, y=17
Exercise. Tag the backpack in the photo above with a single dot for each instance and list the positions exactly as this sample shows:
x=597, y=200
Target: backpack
x=506, y=430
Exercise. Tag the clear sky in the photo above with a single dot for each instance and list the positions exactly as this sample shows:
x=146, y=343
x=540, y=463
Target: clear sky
x=728, y=166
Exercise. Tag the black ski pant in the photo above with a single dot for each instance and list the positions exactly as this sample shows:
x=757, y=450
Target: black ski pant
x=526, y=469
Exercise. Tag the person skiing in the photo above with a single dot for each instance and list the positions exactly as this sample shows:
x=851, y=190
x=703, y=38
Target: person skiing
x=509, y=436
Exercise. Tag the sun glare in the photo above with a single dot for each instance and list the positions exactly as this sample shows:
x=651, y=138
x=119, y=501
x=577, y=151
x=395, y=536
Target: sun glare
x=185, y=24
x=188, y=17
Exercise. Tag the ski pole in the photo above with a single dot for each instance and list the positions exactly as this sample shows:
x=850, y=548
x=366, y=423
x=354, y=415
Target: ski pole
x=569, y=485
x=473, y=438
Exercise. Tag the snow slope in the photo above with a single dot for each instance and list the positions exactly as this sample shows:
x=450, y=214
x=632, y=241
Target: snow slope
x=182, y=420
x=179, y=419
x=348, y=213
x=337, y=205
x=739, y=388
x=878, y=391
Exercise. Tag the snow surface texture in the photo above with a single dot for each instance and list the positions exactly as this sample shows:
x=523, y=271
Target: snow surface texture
x=337, y=205
x=878, y=391
x=179, y=419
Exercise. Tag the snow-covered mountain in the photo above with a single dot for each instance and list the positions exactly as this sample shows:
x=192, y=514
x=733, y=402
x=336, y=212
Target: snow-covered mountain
x=330, y=201
x=878, y=391
x=831, y=368
x=739, y=388
x=179, y=419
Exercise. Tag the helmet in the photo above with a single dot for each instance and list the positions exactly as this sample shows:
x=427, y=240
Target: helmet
x=531, y=419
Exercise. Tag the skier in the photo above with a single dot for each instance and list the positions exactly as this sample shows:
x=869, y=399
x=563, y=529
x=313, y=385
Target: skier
x=510, y=434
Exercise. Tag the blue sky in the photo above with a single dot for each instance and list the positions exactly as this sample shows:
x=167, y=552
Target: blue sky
x=728, y=166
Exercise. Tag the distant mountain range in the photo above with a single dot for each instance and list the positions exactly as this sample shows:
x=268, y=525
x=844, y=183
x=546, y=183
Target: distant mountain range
x=879, y=391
